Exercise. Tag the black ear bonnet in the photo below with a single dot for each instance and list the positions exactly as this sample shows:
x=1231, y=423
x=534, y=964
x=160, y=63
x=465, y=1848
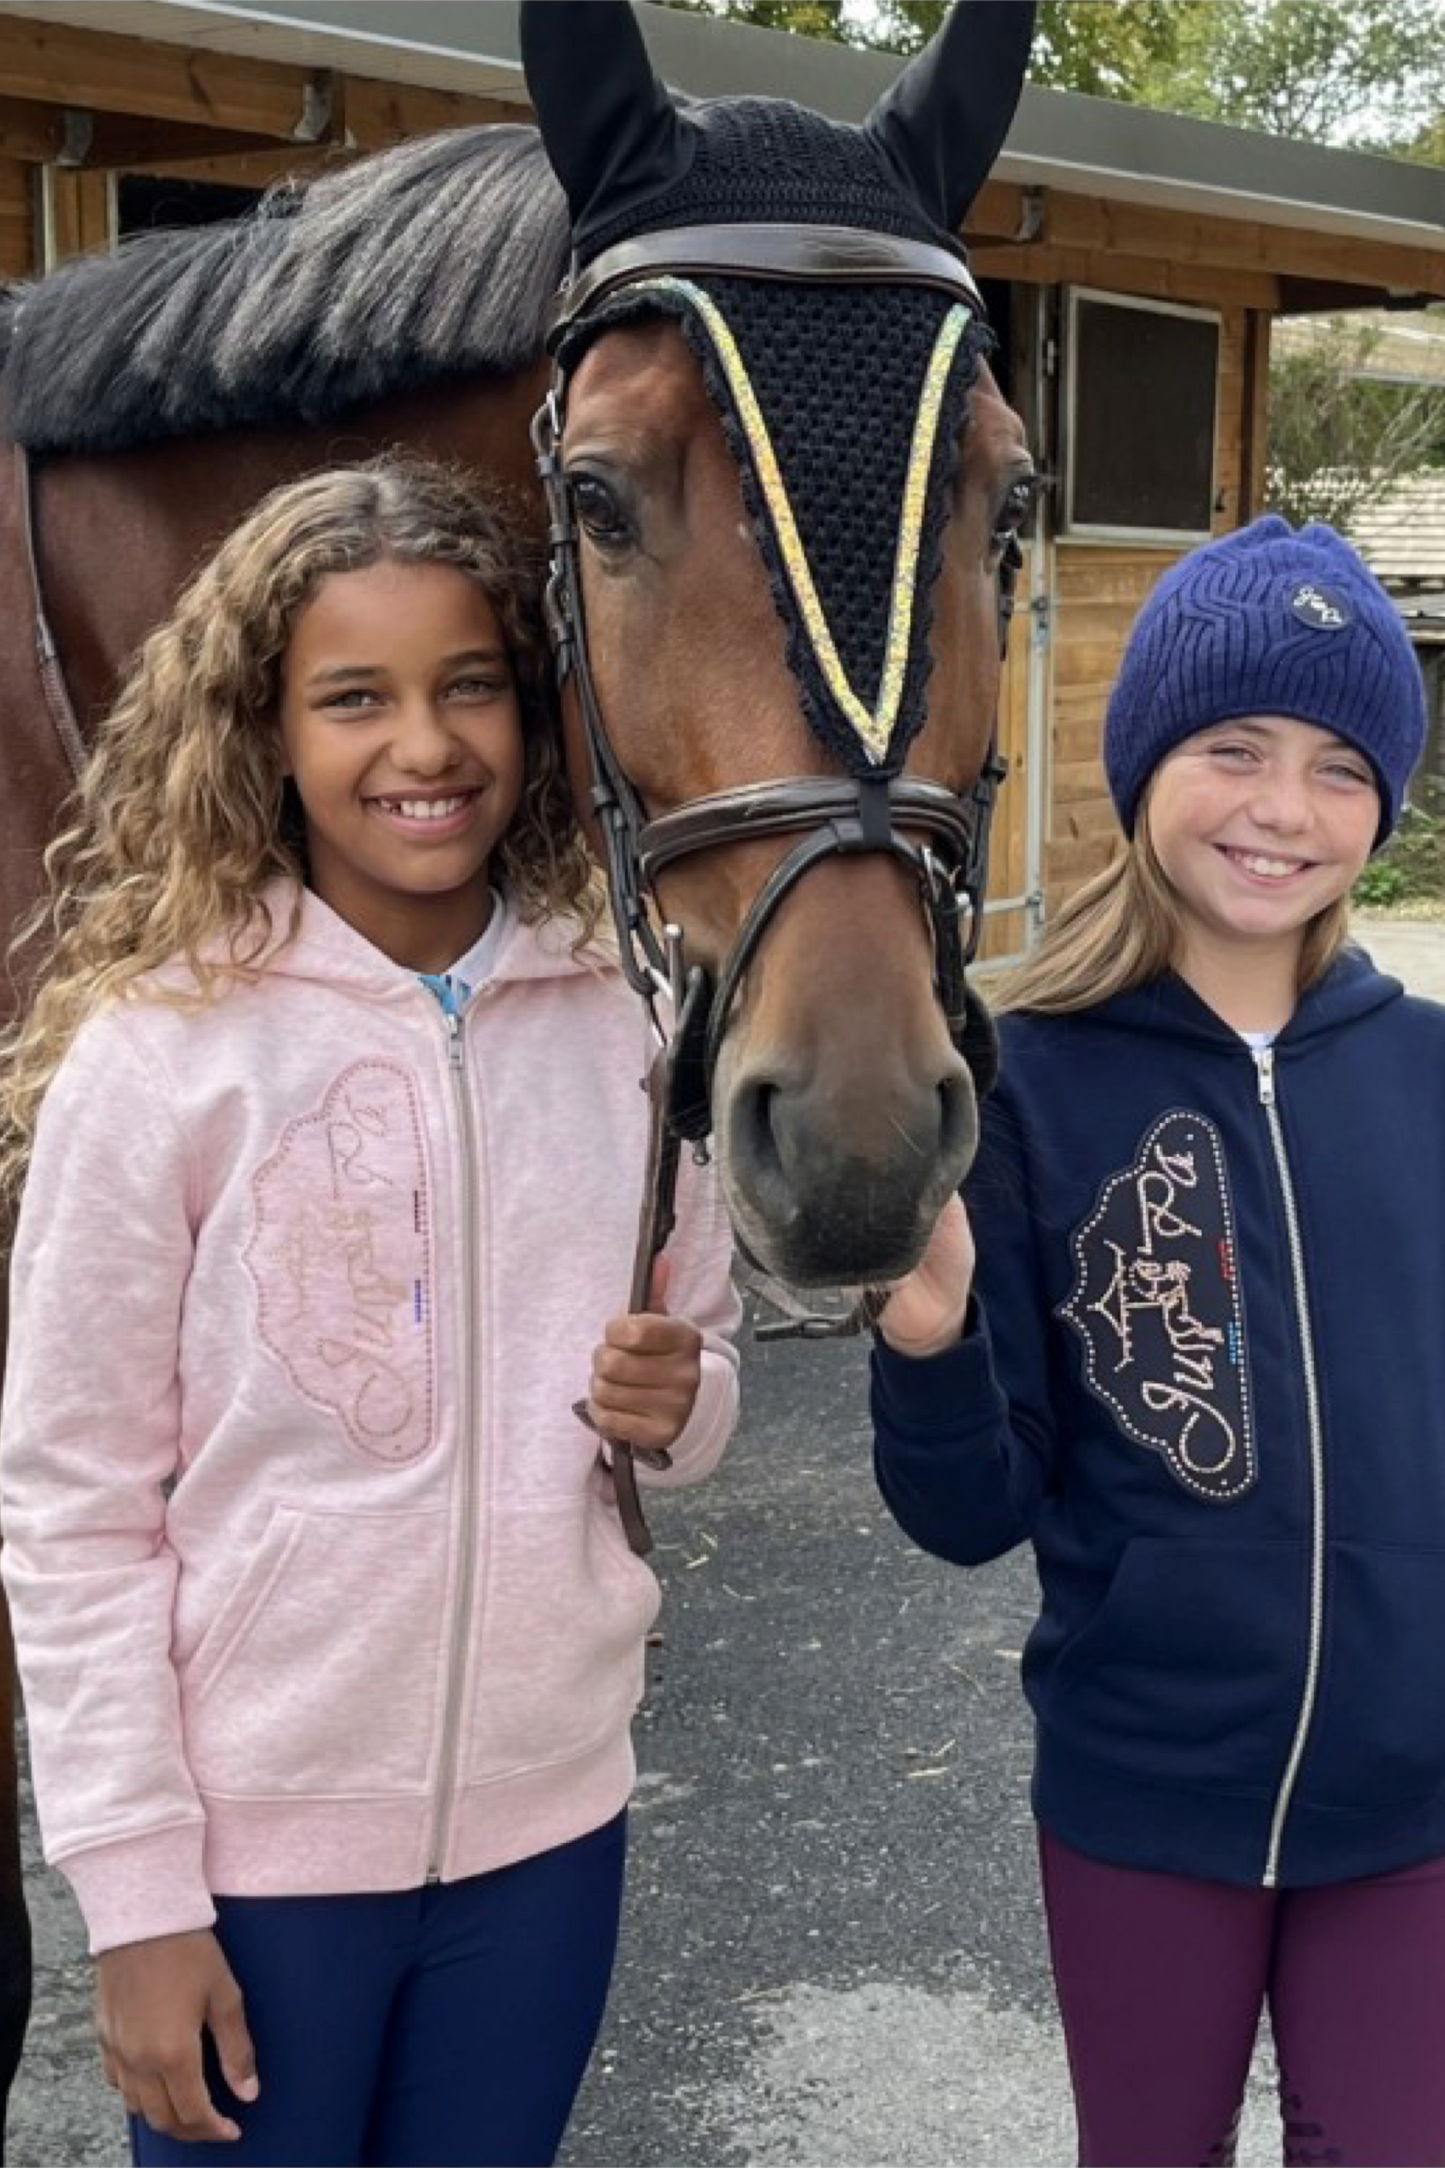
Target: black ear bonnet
x=843, y=404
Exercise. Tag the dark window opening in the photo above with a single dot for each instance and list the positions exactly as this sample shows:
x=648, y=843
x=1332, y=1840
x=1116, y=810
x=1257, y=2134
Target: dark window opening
x=998, y=301
x=1139, y=427
x=148, y=200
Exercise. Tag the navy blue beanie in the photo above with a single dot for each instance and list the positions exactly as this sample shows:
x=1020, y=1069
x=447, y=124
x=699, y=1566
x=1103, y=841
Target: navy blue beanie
x=1268, y=621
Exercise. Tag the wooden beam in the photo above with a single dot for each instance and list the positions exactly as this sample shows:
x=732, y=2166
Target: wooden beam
x=1224, y=244
x=1162, y=280
x=79, y=212
x=122, y=141
x=999, y=212
x=36, y=133
x=1099, y=226
x=1325, y=297
x=1256, y=414
x=249, y=169
x=57, y=65
x=366, y=116
x=89, y=98
x=379, y=114
x=105, y=142
x=17, y=218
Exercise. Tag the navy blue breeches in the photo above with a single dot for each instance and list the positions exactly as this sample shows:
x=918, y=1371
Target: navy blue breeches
x=447, y=2024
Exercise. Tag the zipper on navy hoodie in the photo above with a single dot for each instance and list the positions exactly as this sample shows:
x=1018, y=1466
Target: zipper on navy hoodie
x=465, y=1599
x=1264, y=1064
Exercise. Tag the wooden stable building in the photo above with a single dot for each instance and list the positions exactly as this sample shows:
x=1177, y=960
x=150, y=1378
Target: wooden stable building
x=1134, y=263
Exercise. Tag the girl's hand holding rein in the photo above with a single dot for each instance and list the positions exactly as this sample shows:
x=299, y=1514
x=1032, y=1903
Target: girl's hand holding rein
x=646, y=1373
x=153, y=1999
x=925, y=1313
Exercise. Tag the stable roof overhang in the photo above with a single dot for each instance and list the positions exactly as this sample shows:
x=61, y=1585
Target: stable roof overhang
x=1060, y=140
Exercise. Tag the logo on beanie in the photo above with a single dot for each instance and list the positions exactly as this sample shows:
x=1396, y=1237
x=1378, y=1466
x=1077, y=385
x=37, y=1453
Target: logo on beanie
x=1322, y=607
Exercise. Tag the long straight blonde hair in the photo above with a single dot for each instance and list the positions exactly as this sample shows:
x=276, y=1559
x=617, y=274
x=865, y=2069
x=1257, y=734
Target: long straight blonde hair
x=1124, y=928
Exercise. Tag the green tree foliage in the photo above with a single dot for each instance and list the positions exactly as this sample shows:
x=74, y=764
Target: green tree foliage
x=1335, y=436
x=1428, y=148
x=1371, y=73
x=809, y=18
x=1368, y=72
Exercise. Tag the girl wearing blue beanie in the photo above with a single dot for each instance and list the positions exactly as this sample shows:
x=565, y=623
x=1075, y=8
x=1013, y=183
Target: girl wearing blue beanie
x=1199, y=1364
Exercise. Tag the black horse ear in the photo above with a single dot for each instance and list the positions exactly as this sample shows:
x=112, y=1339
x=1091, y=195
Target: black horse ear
x=942, y=124
x=611, y=132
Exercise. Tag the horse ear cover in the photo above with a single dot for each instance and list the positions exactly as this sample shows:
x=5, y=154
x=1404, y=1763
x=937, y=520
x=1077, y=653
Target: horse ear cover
x=943, y=122
x=612, y=134
x=615, y=139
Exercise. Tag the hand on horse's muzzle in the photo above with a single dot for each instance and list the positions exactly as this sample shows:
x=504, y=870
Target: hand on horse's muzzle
x=925, y=1312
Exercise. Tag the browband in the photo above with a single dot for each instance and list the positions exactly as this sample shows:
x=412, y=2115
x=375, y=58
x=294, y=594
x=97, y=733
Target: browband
x=840, y=255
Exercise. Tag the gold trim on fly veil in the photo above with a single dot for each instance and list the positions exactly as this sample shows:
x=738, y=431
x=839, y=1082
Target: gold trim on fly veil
x=874, y=728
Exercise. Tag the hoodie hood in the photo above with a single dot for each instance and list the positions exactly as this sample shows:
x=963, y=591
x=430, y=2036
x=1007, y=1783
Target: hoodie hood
x=310, y=941
x=1352, y=988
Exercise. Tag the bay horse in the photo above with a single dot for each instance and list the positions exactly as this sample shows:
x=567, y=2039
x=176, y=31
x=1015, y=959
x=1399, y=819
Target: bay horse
x=719, y=563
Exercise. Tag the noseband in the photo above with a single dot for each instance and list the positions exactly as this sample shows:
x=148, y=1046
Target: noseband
x=940, y=836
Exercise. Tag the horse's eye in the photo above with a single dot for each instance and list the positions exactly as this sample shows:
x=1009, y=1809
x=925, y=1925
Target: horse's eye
x=599, y=513
x=1014, y=512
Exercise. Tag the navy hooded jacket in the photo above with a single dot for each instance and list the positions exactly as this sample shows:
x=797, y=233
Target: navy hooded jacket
x=1205, y=1375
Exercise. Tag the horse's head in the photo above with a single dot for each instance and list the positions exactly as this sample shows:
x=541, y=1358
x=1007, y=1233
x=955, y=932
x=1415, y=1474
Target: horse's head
x=784, y=490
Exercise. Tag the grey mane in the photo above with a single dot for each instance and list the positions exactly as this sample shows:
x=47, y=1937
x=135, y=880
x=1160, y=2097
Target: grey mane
x=10, y=292
x=433, y=260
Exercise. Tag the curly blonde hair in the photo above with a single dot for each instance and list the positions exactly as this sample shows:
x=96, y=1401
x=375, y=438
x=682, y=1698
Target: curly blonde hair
x=184, y=816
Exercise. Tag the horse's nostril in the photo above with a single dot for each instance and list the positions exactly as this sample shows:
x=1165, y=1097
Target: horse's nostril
x=957, y=1117
x=756, y=1107
x=780, y=1132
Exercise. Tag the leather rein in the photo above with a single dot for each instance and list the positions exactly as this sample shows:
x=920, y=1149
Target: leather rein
x=946, y=848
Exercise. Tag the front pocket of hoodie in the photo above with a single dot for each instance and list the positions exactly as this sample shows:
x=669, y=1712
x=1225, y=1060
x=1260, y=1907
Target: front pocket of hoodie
x=1190, y=1671
x=318, y=1675
x=1378, y=1739
x=559, y=1668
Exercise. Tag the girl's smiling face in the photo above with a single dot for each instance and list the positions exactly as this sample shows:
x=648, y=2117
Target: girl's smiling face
x=402, y=731
x=1260, y=824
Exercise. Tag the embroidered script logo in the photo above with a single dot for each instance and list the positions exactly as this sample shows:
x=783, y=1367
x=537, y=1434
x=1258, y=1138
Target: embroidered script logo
x=1156, y=1303
x=339, y=1253
x=1321, y=607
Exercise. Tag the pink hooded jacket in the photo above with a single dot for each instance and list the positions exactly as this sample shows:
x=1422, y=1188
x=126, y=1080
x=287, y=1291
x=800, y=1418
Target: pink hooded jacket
x=317, y=1582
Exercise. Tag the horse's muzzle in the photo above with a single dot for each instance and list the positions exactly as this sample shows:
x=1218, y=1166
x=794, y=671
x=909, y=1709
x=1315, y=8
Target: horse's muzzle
x=830, y=1189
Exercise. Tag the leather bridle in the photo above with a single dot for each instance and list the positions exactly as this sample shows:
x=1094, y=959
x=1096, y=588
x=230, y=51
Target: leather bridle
x=940, y=836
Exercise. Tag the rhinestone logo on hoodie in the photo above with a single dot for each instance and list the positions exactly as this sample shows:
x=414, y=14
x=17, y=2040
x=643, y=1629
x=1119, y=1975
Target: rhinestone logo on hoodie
x=340, y=1254
x=1157, y=1305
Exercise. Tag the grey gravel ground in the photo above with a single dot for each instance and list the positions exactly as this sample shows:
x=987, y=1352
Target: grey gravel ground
x=833, y=1952
x=1413, y=949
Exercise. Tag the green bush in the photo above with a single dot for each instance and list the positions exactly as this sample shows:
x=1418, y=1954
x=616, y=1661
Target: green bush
x=1411, y=867
x=1379, y=886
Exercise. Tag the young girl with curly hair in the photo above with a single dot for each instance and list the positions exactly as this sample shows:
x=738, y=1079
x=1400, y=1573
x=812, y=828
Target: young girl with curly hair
x=328, y=1112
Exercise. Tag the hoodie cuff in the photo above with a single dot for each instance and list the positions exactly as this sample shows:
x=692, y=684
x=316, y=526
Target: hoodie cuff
x=698, y=1446
x=143, y=1887
x=919, y=1389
